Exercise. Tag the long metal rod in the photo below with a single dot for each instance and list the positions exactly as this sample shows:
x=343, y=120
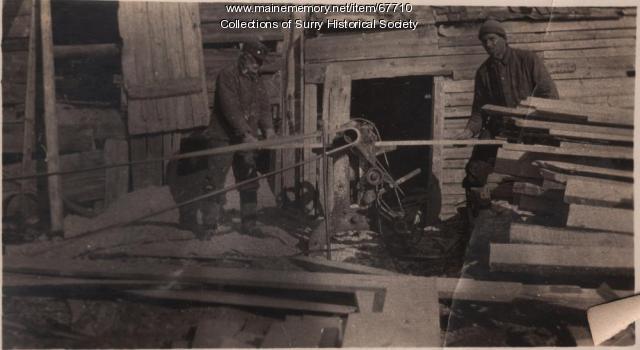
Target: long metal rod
x=264, y=144
x=437, y=142
x=204, y=196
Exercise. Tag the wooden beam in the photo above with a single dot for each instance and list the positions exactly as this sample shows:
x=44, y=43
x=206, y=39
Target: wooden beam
x=51, y=123
x=521, y=233
x=560, y=259
x=599, y=192
x=600, y=218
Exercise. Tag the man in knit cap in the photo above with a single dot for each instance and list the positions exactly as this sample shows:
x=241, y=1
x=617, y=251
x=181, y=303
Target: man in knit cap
x=507, y=77
x=241, y=114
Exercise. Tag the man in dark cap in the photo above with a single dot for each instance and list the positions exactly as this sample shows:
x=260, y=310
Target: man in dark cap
x=241, y=113
x=507, y=77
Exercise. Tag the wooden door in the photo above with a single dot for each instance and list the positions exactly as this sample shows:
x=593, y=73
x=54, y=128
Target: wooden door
x=162, y=65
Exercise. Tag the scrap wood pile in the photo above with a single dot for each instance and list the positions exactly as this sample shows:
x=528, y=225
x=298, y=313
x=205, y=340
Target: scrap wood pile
x=312, y=309
x=573, y=172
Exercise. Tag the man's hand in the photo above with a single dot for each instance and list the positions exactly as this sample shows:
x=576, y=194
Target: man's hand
x=269, y=133
x=464, y=134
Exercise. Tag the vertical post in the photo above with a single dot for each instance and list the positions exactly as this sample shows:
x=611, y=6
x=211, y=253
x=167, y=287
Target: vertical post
x=50, y=121
x=30, y=105
x=325, y=190
x=437, y=127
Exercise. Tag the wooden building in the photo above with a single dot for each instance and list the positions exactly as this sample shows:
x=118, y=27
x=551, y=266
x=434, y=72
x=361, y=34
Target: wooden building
x=131, y=88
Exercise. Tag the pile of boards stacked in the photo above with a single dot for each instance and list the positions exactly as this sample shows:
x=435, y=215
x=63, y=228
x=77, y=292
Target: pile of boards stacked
x=572, y=170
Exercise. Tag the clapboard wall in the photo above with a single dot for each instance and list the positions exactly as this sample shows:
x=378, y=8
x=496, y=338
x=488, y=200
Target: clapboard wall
x=590, y=52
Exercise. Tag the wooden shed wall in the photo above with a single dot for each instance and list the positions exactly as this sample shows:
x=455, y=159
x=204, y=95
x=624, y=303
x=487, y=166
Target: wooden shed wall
x=589, y=52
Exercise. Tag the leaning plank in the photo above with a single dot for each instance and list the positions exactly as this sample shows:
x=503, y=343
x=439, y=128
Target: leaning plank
x=239, y=299
x=521, y=233
x=572, y=168
x=560, y=259
x=600, y=218
x=599, y=192
x=595, y=151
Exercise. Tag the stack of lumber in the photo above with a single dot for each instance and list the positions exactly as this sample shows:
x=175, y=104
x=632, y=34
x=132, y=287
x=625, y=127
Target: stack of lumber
x=577, y=179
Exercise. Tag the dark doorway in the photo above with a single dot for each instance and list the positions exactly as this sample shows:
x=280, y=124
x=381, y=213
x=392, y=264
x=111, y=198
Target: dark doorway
x=401, y=110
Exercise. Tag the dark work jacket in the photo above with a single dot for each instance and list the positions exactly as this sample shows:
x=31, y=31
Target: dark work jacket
x=240, y=106
x=520, y=74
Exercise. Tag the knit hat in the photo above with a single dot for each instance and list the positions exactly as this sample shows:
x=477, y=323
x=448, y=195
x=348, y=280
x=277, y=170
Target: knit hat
x=256, y=49
x=491, y=26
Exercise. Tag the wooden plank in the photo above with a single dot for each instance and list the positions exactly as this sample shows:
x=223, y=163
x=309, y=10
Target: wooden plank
x=458, y=99
x=513, y=27
x=599, y=193
x=516, y=163
x=470, y=40
x=520, y=233
x=290, y=280
x=116, y=179
x=454, y=176
x=560, y=259
x=594, y=114
x=579, y=169
x=181, y=105
x=372, y=45
x=437, y=128
x=597, y=52
x=194, y=60
x=469, y=289
x=457, y=152
x=570, y=128
x=600, y=218
x=51, y=123
x=595, y=87
x=239, y=299
x=457, y=112
x=380, y=330
x=581, y=150
x=133, y=73
x=365, y=301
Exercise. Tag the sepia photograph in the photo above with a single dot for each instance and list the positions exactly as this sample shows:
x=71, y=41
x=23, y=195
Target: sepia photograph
x=298, y=174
